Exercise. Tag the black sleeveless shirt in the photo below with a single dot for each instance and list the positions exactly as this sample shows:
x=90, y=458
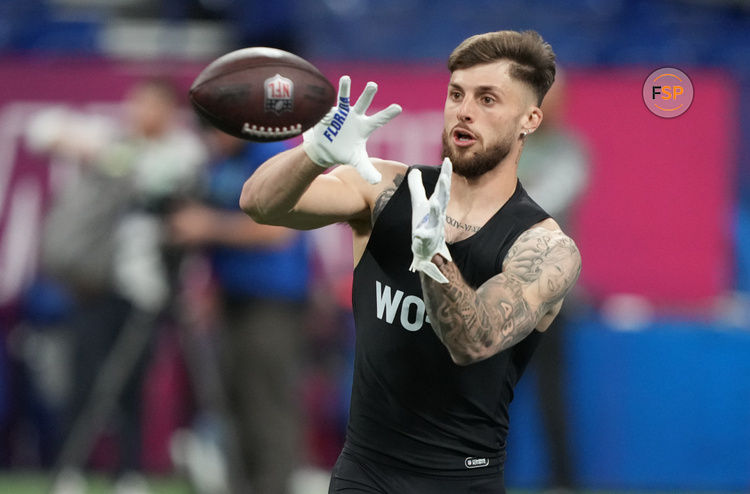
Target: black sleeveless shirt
x=411, y=406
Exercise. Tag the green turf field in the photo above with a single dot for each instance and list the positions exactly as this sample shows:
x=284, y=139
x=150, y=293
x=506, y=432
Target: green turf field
x=37, y=483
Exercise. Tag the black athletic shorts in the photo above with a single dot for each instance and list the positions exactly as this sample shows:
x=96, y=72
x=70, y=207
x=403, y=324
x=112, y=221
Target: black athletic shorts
x=353, y=475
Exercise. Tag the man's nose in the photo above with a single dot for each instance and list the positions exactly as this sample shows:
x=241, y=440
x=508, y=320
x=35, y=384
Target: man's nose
x=465, y=111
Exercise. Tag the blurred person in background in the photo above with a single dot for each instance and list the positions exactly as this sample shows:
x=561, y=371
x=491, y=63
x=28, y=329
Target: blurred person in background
x=554, y=170
x=102, y=242
x=262, y=277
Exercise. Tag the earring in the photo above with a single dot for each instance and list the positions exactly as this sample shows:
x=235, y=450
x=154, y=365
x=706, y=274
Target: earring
x=524, y=133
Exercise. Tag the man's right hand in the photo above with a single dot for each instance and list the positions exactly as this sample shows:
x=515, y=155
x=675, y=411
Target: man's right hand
x=341, y=136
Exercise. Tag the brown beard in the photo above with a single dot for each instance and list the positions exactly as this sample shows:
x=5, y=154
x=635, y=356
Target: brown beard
x=472, y=165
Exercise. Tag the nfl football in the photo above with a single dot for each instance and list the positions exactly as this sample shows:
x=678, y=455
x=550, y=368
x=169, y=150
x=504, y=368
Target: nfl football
x=262, y=94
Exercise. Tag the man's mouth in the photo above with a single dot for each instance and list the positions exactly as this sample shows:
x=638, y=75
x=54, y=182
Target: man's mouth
x=463, y=138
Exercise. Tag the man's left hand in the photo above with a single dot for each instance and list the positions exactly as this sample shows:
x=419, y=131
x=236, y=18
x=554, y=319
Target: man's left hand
x=428, y=222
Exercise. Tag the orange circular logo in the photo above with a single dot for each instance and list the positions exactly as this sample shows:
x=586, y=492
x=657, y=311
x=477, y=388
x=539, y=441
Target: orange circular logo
x=668, y=92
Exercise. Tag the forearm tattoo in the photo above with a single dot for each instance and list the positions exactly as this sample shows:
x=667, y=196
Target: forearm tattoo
x=539, y=270
x=385, y=196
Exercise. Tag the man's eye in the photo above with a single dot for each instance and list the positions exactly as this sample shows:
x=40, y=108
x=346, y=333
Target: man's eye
x=488, y=100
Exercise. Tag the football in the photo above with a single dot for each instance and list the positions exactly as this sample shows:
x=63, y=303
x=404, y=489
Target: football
x=262, y=94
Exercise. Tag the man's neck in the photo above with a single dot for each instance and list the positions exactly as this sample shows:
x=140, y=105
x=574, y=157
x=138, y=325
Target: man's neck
x=485, y=194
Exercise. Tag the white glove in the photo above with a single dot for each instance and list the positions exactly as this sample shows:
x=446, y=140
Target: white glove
x=428, y=222
x=341, y=136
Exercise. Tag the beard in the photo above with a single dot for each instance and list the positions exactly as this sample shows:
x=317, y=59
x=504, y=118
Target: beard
x=472, y=164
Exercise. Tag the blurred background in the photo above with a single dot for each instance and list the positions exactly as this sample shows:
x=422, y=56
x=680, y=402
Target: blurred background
x=124, y=265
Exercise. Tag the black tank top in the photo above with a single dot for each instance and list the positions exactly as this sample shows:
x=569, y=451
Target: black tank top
x=411, y=406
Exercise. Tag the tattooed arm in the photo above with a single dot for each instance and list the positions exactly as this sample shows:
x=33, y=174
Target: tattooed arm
x=539, y=270
x=290, y=190
x=386, y=195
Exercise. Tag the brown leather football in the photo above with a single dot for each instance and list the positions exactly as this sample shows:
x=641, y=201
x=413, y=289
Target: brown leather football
x=262, y=94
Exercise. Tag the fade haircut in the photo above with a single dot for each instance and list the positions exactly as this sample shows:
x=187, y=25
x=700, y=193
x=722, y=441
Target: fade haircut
x=533, y=61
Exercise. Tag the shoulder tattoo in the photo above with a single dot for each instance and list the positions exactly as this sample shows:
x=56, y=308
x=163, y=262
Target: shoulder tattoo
x=546, y=257
x=385, y=196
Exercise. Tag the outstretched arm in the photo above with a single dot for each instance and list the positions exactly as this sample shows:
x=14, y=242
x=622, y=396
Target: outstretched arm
x=539, y=270
x=291, y=190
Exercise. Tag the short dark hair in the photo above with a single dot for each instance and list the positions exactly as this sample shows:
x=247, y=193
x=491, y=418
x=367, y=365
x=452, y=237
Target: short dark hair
x=532, y=57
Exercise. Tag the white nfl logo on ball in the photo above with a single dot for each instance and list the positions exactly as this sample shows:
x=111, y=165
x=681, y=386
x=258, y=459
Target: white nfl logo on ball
x=279, y=94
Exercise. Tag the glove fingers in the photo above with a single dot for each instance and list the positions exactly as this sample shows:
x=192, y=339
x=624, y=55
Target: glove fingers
x=365, y=99
x=345, y=85
x=328, y=118
x=443, y=251
x=447, y=169
x=429, y=269
x=419, y=205
x=446, y=173
x=384, y=116
x=367, y=170
x=441, y=196
x=416, y=187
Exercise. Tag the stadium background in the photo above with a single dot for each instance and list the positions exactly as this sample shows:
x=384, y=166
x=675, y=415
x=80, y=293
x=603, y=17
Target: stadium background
x=659, y=384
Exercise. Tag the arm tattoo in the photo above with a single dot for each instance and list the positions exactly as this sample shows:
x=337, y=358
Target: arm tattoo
x=539, y=270
x=468, y=323
x=547, y=259
x=385, y=196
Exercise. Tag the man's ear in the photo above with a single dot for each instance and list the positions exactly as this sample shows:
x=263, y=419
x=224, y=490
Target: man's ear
x=532, y=120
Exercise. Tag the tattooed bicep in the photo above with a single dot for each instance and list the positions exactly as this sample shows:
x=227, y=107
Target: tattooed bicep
x=546, y=261
x=385, y=196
